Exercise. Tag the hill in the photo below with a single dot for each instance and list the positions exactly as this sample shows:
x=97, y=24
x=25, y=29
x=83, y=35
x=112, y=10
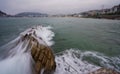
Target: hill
x=2, y=14
x=31, y=14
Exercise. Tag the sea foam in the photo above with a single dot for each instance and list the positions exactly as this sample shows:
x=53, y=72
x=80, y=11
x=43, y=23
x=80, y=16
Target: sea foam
x=75, y=61
x=70, y=62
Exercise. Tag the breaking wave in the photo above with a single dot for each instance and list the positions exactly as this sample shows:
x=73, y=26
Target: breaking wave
x=15, y=57
x=69, y=62
x=74, y=61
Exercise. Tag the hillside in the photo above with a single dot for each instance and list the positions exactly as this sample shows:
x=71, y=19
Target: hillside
x=31, y=14
x=2, y=14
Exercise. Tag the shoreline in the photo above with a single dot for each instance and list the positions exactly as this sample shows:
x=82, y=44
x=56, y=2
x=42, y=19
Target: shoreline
x=111, y=17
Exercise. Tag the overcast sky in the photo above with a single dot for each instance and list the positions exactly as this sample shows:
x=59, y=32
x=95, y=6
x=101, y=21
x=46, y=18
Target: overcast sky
x=54, y=6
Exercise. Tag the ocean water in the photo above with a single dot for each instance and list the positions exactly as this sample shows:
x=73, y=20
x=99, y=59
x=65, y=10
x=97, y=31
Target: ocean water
x=81, y=45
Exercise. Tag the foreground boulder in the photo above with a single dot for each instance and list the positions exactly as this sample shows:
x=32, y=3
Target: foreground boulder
x=41, y=53
x=44, y=59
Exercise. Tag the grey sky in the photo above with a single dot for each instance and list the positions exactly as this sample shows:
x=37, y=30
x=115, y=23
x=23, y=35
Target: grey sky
x=54, y=6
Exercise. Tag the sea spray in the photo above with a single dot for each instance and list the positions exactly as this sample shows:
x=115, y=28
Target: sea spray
x=15, y=60
x=18, y=64
x=15, y=57
x=44, y=35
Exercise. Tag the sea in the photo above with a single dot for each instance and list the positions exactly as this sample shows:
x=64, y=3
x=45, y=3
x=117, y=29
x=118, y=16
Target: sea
x=80, y=45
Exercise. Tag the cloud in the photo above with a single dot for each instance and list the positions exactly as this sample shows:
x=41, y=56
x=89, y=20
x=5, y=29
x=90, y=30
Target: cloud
x=54, y=6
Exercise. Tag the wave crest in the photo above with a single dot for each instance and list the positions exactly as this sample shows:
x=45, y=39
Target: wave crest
x=74, y=61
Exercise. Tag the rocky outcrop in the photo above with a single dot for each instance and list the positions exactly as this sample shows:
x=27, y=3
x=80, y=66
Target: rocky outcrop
x=42, y=55
x=44, y=59
x=104, y=71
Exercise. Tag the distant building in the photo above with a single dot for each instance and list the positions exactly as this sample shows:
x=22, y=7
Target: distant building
x=92, y=13
x=115, y=9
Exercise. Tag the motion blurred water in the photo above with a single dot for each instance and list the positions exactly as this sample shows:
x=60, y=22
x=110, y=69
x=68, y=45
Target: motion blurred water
x=96, y=41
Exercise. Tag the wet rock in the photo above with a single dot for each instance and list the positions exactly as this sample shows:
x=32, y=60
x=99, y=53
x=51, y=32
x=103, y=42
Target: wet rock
x=44, y=59
x=42, y=55
x=104, y=71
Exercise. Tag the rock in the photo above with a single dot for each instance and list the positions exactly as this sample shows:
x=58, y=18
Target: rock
x=104, y=71
x=42, y=55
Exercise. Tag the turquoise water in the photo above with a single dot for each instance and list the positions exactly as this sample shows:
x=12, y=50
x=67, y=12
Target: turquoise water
x=99, y=35
x=96, y=41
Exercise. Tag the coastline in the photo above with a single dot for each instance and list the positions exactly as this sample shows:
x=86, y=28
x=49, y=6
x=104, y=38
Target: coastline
x=113, y=17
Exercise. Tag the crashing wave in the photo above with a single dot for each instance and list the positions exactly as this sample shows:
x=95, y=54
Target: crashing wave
x=74, y=61
x=70, y=62
x=15, y=57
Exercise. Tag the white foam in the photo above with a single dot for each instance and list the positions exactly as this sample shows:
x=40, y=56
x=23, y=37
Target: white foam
x=69, y=62
x=19, y=64
x=43, y=34
x=16, y=58
x=104, y=61
x=72, y=62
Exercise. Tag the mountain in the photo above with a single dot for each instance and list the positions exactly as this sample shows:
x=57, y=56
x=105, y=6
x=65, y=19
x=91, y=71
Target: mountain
x=2, y=14
x=31, y=14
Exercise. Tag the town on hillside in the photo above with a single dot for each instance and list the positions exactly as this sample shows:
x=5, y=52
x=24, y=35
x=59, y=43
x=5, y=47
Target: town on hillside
x=108, y=13
x=104, y=13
